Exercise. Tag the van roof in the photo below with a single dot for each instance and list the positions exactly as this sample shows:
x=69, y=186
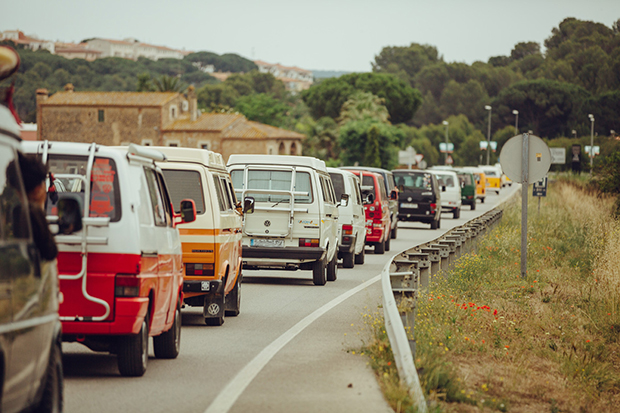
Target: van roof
x=195, y=155
x=367, y=168
x=339, y=171
x=291, y=160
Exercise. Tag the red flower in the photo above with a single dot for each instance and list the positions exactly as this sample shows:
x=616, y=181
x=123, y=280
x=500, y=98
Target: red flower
x=495, y=312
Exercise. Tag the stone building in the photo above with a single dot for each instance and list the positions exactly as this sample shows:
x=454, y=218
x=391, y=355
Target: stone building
x=155, y=118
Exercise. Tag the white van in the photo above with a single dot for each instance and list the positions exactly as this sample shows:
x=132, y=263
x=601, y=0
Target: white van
x=351, y=220
x=121, y=276
x=212, y=243
x=294, y=222
x=451, y=197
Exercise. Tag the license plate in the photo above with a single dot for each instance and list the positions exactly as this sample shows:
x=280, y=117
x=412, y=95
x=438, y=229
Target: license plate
x=403, y=205
x=204, y=286
x=266, y=242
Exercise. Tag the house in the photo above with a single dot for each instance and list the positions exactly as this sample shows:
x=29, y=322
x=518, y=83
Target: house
x=133, y=49
x=29, y=42
x=76, y=51
x=294, y=78
x=155, y=118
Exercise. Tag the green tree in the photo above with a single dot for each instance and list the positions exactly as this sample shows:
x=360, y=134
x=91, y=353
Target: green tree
x=167, y=83
x=607, y=178
x=144, y=83
x=363, y=105
x=409, y=59
x=263, y=108
x=354, y=136
x=371, y=155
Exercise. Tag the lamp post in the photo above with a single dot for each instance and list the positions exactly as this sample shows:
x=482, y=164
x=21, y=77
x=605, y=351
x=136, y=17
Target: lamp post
x=591, y=116
x=445, y=122
x=490, y=109
x=516, y=113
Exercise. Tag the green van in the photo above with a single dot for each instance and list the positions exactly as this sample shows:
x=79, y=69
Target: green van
x=468, y=188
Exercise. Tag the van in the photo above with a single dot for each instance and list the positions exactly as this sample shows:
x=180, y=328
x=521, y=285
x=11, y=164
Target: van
x=121, y=276
x=419, y=196
x=291, y=214
x=377, y=210
x=493, y=177
x=481, y=182
x=451, y=195
x=391, y=190
x=351, y=220
x=212, y=243
x=468, y=188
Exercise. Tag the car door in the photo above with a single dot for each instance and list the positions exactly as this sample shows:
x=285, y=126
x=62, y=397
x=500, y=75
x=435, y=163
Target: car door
x=329, y=218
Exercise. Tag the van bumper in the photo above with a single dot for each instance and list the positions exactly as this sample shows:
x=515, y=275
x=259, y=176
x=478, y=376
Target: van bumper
x=198, y=286
x=294, y=254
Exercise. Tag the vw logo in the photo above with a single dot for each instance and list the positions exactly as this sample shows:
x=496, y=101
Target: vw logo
x=267, y=223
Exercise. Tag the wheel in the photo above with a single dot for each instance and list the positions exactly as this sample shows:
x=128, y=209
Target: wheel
x=233, y=300
x=439, y=223
x=52, y=397
x=482, y=200
x=133, y=351
x=457, y=213
x=473, y=206
x=359, y=258
x=348, y=260
x=318, y=273
x=434, y=224
x=168, y=344
x=332, y=268
x=393, y=233
x=387, y=244
x=380, y=248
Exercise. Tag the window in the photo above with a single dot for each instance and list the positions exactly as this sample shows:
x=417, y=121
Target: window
x=204, y=145
x=327, y=190
x=409, y=182
x=274, y=180
x=157, y=201
x=222, y=200
x=293, y=149
x=338, y=181
x=166, y=196
x=147, y=142
x=173, y=144
x=282, y=149
x=101, y=115
x=14, y=221
x=369, y=181
x=185, y=185
x=173, y=112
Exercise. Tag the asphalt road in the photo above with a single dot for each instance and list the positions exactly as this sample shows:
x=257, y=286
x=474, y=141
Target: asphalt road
x=290, y=349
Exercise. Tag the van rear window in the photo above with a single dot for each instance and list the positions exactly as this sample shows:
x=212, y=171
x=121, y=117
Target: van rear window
x=185, y=185
x=446, y=180
x=367, y=183
x=273, y=181
x=105, y=196
x=413, y=181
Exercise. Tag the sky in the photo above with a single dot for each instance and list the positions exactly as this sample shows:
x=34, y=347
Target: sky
x=340, y=35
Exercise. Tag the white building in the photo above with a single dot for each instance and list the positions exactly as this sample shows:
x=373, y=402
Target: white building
x=132, y=49
x=30, y=42
x=294, y=78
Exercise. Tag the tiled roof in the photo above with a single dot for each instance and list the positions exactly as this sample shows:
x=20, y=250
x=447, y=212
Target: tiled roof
x=208, y=122
x=110, y=98
x=256, y=130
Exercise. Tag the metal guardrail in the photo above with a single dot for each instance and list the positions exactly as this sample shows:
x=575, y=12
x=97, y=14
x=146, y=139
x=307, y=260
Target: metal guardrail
x=412, y=270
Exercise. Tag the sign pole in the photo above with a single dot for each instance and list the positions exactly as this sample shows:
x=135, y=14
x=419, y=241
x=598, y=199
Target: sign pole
x=524, y=186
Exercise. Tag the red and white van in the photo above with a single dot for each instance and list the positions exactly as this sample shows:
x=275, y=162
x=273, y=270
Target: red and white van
x=121, y=276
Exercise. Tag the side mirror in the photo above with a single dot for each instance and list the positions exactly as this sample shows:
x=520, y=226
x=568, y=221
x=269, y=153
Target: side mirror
x=369, y=199
x=394, y=194
x=188, y=211
x=69, y=216
x=344, y=200
x=248, y=205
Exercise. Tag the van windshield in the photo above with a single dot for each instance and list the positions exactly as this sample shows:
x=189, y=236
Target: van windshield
x=338, y=181
x=368, y=185
x=105, y=195
x=465, y=179
x=414, y=181
x=185, y=185
x=273, y=181
x=446, y=180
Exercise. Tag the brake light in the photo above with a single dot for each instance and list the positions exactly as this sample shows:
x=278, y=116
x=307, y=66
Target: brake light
x=308, y=242
x=199, y=269
x=126, y=285
x=433, y=207
x=347, y=229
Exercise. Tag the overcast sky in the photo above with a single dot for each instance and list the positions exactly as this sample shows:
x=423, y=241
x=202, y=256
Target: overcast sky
x=318, y=35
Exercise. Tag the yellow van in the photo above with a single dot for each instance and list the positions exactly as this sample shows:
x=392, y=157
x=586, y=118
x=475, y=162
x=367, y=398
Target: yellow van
x=212, y=244
x=481, y=182
x=493, y=176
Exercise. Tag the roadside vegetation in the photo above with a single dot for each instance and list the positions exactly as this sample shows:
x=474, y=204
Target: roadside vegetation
x=488, y=340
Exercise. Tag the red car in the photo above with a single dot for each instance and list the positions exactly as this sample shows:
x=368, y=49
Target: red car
x=377, y=207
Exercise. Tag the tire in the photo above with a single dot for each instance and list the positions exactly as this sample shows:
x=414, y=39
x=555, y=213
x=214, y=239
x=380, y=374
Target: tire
x=394, y=231
x=318, y=273
x=439, y=224
x=434, y=224
x=214, y=321
x=52, y=397
x=348, y=260
x=233, y=300
x=380, y=248
x=457, y=213
x=359, y=258
x=332, y=268
x=133, y=351
x=387, y=244
x=482, y=200
x=473, y=206
x=168, y=344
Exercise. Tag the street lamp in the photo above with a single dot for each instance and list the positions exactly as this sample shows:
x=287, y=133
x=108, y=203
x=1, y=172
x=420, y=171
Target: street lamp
x=445, y=122
x=490, y=109
x=516, y=113
x=591, y=116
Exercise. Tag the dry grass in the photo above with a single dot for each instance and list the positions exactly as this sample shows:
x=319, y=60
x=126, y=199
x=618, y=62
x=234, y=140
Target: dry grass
x=488, y=340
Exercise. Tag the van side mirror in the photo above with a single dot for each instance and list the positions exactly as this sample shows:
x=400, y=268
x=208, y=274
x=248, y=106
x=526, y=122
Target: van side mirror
x=69, y=216
x=248, y=205
x=394, y=195
x=188, y=211
x=344, y=200
x=369, y=199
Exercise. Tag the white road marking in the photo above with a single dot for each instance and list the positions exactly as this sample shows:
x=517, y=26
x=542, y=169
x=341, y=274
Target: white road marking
x=229, y=395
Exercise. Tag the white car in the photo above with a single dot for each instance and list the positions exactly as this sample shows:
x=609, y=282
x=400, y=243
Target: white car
x=351, y=221
x=451, y=197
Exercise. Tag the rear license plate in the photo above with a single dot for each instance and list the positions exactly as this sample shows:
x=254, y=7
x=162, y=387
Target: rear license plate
x=204, y=286
x=266, y=242
x=403, y=205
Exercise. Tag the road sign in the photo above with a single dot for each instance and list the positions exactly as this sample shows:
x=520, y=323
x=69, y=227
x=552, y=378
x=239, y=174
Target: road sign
x=485, y=144
x=446, y=147
x=539, y=158
x=558, y=156
x=422, y=164
x=596, y=150
x=407, y=157
x=418, y=157
x=449, y=160
x=540, y=188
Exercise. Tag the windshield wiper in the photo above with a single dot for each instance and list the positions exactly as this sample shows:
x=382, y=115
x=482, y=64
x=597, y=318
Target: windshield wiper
x=279, y=202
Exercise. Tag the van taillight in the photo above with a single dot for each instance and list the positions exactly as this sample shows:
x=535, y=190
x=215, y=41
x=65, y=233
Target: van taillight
x=199, y=269
x=433, y=207
x=308, y=242
x=347, y=229
x=126, y=285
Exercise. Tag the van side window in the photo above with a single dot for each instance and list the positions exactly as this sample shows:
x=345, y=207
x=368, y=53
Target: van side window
x=232, y=191
x=166, y=196
x=221, y=199
x=382, y=188
x=331, y=190
x=157, y=202
x=325, y=189
x=228, y=198
x=369, y=182
x=183, y=184
x=14, y=213
x=357, y=194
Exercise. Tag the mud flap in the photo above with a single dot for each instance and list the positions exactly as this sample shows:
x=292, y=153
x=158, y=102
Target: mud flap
x=214, y=306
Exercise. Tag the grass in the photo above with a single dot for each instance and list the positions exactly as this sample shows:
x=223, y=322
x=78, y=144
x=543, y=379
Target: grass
x=488, y=340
